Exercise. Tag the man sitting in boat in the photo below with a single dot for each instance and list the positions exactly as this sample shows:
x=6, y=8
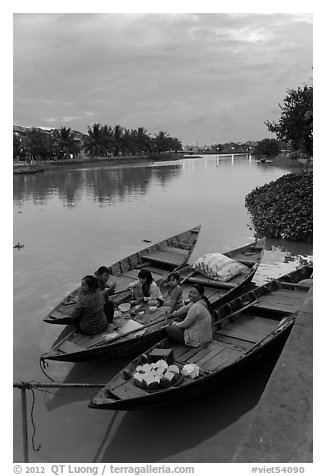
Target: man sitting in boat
x=107, y=288
x=145, y=289
x=88, y=315
x=196, y=328
x=174, y=299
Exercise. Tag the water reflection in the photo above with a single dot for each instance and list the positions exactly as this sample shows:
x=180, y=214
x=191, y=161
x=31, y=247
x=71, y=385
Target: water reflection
x=74, y=232
x=103, y=184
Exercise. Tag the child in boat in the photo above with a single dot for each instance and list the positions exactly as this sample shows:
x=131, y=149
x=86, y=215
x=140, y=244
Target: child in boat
x=103, y=275
x=196, y=327
x=174, y=299
x=145, y=289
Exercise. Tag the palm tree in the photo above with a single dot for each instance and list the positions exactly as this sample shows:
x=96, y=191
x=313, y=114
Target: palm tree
x=161, y=141
x=95, y=143
x=118, y=135
x=143, y=140
x=66, y=142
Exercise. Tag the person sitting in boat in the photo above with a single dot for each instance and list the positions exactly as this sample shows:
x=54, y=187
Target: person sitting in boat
x=107, y=288
x=88, y=315
x=145, y=289
x=196, y=328
x=103, y=276
x=174, y=299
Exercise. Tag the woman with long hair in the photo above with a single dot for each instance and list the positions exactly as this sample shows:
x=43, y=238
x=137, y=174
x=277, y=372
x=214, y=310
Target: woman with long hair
x=145, y=289
x=196, y=327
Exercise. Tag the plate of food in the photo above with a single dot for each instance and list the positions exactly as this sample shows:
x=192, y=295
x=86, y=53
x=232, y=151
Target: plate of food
x=124, y=307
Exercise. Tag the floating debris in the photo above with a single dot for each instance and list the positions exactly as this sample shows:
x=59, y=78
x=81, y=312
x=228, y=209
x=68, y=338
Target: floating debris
x=18, y=246
x=147, y=241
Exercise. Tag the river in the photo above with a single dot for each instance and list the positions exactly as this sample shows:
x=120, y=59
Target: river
x=71, y=221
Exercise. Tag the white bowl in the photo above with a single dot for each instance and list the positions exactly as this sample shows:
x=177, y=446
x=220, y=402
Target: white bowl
x=124, y=307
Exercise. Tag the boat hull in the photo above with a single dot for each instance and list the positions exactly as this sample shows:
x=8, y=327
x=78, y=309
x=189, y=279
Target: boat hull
x=249, y=327
x=210, y=384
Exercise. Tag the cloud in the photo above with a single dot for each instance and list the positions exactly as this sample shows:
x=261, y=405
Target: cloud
x=158, y=70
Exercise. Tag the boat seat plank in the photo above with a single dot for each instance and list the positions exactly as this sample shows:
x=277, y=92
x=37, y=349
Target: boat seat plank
x=226, y=354
x=208, y=352
x=129, y=390
x=258, y=324
x=179, y=350
x=199, y=354
x=209, y=356
x=133, y=274
x=282, y=300
x=248, y=260
x=117, y=382
x=178, y=251
x=199, y=279
x=164, y=257
x=190, y=353
x=238, y=343
x=235, y=331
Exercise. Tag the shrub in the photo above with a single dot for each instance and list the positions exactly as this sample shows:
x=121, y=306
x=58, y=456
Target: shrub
x=284, y=208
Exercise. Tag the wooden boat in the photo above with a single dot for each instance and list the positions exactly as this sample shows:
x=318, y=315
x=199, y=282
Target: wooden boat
x=27, y=170
x=142, y=327
x=244, y=329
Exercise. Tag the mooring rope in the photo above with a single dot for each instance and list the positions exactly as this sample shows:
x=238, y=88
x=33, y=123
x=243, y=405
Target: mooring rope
x=29, y=386
x=43, y=365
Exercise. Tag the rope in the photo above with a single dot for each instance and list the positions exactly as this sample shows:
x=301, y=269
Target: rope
x=33, y=424
x=29, y=386
x=43, y=365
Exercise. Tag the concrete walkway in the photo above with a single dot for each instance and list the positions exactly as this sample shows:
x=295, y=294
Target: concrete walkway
x=281, y=428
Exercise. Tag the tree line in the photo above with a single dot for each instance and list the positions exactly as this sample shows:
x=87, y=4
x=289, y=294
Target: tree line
x=293, y=130
x=100, y=141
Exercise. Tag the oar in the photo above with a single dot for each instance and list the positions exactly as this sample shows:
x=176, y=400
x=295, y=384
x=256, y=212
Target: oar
x=127, y=333
x=119, y=292
x=236, y=312
x=188, y=276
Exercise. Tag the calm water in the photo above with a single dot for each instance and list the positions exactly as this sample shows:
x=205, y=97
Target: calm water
x=72, y=221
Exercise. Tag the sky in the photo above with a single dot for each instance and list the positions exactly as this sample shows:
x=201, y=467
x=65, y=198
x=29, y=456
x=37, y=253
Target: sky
x=204, y=78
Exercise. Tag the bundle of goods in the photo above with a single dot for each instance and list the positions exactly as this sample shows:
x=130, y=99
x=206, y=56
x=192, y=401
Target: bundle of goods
x=218, y=267
x=152, y=376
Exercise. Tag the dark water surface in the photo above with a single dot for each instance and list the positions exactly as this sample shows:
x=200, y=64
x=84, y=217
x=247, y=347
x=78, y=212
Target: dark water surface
x=72, y=221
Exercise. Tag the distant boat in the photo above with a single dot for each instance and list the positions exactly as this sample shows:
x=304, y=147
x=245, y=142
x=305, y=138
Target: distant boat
x=192, y=156
x=27, y=169
x=264, y=161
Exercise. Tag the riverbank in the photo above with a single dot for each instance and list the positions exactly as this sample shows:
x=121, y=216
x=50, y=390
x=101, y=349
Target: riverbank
x=121, y=160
